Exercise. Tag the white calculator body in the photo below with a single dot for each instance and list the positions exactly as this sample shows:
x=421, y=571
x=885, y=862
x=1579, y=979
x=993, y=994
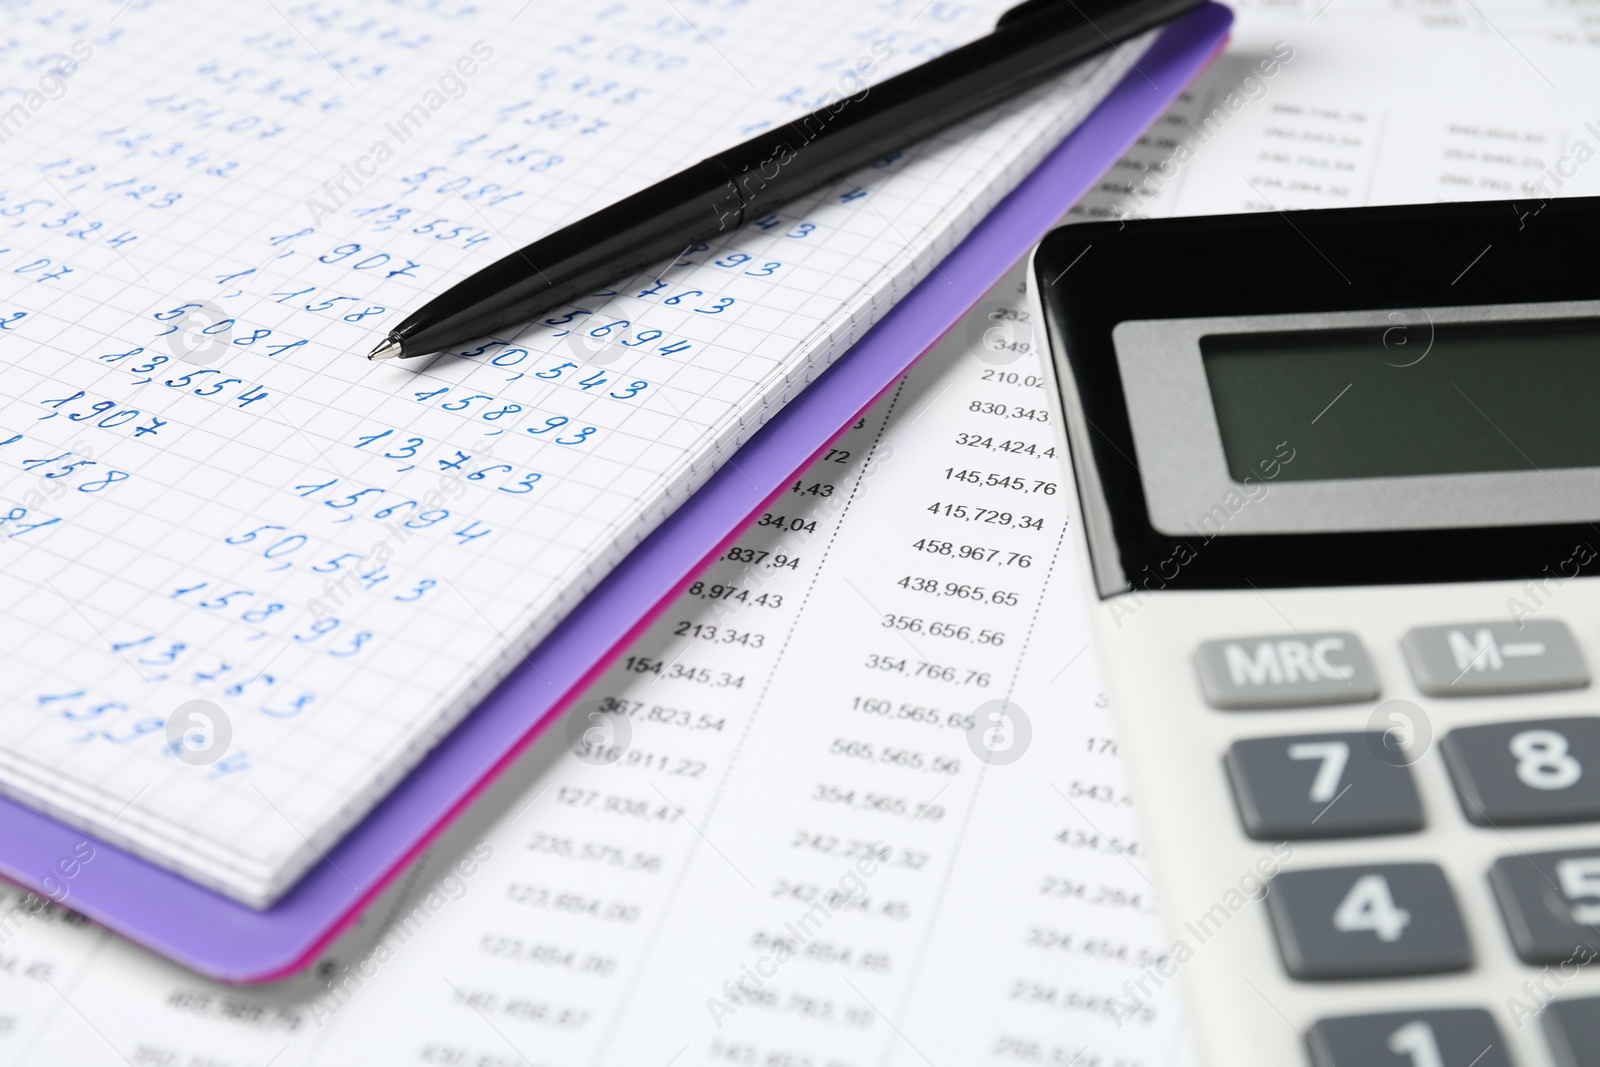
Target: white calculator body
x=1341, y=506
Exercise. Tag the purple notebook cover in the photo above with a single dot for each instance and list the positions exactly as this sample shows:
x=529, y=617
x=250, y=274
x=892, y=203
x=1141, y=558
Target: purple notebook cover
x=227, y=940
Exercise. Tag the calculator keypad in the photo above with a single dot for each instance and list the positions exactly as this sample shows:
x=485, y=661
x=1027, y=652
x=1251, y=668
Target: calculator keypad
x=1573, y=1027
x=1551, y=904
x=1379, y=921
x=1392, y=920
x=1477, y=658
x=1322, y=785
x=1527, y=773
x=1452, y=1038
x=1285, y=670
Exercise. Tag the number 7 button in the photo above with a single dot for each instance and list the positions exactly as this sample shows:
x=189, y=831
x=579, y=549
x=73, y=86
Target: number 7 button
x=1322, y=785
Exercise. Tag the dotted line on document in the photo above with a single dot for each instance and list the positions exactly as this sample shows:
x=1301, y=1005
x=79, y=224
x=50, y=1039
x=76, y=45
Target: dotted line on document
x=755, y=709
x=1044, y=587
x=816, y=576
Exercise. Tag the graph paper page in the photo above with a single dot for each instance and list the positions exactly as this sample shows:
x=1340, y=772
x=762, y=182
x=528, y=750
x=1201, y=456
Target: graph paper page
x=806, y=847
x=251, y=577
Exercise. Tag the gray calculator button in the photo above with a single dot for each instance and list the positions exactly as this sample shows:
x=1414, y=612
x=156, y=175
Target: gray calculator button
x=1285, y=670
x=1474, y=658
x=1460, y=1037
x=1321, y=785
x=1378, y=921
x=1551, y=905
x=1527, y=773
x=1573, y=1027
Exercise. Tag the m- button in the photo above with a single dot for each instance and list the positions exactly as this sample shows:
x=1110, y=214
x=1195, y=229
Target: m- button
x=1477, y=658
x=1285, y=671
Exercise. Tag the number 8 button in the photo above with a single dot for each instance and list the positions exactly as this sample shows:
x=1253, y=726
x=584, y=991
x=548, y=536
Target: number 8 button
x=1526, y=773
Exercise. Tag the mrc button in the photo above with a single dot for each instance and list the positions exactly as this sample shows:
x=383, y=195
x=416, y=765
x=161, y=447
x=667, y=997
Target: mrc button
x=1285, y=670
x=1478, y=658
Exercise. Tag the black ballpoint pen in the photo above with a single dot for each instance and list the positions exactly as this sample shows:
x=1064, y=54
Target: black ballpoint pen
x=1030, y=43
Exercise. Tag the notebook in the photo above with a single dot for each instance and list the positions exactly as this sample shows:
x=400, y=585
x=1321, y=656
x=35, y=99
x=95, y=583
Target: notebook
x=252, y=578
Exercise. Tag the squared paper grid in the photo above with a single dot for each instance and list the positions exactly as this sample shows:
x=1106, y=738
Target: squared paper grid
x=216, y=471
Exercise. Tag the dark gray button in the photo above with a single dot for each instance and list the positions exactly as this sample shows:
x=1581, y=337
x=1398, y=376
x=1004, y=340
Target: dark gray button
x=1551, y=904
x=1473, y=658
x=1376, y=921
x=1322, y=785
x=1461, y=1037
x=1285, y=671
x=1573, y=1027
x=1525, y=773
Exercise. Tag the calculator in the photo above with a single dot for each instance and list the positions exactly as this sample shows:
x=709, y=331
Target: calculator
x=1338, y=487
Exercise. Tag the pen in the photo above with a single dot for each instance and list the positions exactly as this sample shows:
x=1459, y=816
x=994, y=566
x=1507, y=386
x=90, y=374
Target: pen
x=1030, y=43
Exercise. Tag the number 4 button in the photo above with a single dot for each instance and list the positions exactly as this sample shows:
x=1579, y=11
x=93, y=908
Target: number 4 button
x=1409, y=1039
x=1368, y=922
x=1525, y=773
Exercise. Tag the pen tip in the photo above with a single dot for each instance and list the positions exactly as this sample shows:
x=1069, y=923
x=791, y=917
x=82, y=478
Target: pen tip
x=387, y=349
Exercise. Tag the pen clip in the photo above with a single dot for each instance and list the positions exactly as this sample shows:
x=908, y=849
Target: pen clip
x=1025, y=10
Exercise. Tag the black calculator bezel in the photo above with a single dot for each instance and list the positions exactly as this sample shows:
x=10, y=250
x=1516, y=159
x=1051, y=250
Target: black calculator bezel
x=1355, y=259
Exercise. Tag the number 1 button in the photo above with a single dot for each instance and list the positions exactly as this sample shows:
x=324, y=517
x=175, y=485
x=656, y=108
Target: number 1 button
x=1457, y=1038
x=1368, y=922
x=1525, y=773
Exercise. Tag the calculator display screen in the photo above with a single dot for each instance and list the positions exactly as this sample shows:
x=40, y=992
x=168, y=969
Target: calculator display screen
x=1409, y=399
